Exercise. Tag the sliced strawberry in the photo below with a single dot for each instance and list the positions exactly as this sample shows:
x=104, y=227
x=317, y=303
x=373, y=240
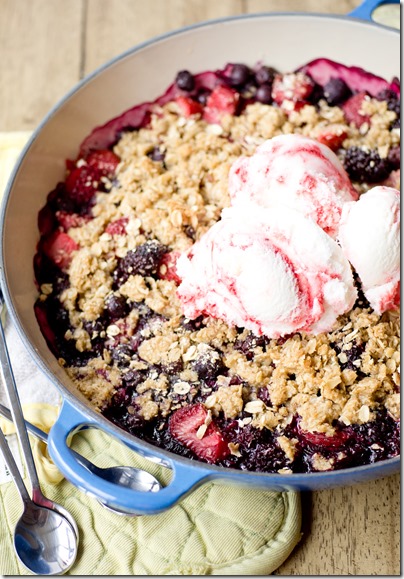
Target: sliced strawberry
x=117, y=227
x=323, y=440
x=332, y=139
x=68, y=220
x=105, y=161
x=352, y=109
x=185, y=425
x=59, y=248
x=291, y=87
x=188, y=106
x=222, y=101
x=168, y=267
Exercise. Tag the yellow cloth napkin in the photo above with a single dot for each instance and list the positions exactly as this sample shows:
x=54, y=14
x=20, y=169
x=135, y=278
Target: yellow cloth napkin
x=217, y=530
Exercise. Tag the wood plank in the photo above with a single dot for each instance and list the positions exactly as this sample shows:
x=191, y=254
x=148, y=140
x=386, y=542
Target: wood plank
x=325, y=6
x=350, y=531
x=113, y=27
x=40, y=58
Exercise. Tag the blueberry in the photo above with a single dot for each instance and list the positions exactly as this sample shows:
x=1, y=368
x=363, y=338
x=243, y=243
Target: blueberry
x=265, y=75
x=95, y=328
x=116, y=307
x=247, y=345
x=317, y=94
x=132, y=378
x=122, y=355
x=185, y=80
x=209, y=365
x=156, y=154
x=239, y=74
x=202, y=96
x=190, y=232
x=366, y=166
x=336, y=91
x=144, y=260
x=192, y=325
x=264, y=94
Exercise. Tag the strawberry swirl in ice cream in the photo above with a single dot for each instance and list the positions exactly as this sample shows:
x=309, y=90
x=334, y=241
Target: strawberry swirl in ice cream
x=270, y=270
x=298, y=172
x=370, y=238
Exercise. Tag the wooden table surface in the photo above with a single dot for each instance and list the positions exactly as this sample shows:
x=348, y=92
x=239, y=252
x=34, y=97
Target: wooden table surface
x=46, y=46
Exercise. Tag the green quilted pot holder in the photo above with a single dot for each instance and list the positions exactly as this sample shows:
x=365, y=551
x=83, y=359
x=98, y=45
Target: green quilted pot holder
x=217, y=530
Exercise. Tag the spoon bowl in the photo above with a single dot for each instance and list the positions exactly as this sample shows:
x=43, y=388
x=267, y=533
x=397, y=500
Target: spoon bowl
x=44, y=541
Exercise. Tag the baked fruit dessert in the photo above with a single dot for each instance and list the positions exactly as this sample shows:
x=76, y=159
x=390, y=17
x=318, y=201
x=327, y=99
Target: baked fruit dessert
x=219, y=271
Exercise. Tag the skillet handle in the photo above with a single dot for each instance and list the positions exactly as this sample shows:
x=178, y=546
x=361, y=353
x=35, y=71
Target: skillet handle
x=365, y=10
x=185, y=477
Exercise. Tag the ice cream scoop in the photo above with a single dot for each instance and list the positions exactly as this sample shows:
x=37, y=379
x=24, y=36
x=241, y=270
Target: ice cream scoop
x=271, y=270
x=369, y=235
x=298, y=172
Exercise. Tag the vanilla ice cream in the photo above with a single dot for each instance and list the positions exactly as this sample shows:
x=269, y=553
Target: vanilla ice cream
x=272, y=271
x=298, y=172
x=369, y=235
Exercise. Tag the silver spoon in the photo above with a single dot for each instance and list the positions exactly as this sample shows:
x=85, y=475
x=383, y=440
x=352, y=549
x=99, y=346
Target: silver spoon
x=127, y=476
x=44, y=540
x=18, y=419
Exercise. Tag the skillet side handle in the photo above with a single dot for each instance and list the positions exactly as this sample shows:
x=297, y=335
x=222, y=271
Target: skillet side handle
x=185, y=477
x=366, y=9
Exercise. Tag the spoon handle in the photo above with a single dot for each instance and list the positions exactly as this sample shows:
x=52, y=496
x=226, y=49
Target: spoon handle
x=44, y=438
x=5, y=412
x=13, y=468
x=18, y=417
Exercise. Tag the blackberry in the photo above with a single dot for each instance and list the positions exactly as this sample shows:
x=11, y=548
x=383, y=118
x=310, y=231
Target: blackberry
x=393, y=104
x=394, y=157
x=366, y=166
x=336, y=91
x=143, y=260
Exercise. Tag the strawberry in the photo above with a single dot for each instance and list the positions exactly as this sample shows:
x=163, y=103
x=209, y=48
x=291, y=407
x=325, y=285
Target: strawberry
x=332, y=139
x=352, y=108
x=167, y=269
x=291, y=87
x=222, y=101
x=104, y=160
x=82, y=183
x=117, y=227
x=68, y=220
x=83, y=179
x=188, y=106
x=184, y=426
x=59, y=248
x=321, y=439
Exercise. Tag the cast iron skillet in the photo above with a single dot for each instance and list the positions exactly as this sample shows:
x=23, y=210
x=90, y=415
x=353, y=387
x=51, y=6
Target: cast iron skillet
x=285, y=41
